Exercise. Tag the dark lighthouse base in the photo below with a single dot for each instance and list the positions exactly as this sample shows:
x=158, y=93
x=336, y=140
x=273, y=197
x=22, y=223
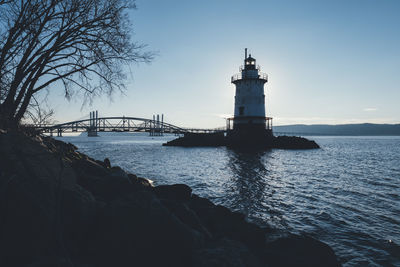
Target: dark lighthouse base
x=243, y=139
x=247, y=137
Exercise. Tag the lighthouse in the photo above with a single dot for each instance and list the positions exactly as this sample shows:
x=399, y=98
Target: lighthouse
x=249, y=129
x=249, y=126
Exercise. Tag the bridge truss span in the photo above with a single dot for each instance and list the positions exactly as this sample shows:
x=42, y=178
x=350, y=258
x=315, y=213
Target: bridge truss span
x=93, y=125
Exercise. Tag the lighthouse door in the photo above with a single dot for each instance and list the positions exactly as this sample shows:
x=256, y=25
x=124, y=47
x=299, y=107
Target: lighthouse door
x=241, y=111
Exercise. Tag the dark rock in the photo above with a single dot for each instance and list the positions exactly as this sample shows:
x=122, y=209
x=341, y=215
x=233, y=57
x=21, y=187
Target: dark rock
x=187, y=216
x=44, y=213
x=58, y=146
x=223, y=253
x=107, y=163
x=117, y=171
x=243, y=141
x=249, y=138
x=177, y=192
x=106, y=188
x=88, y=166
x=28, y=220
x=132, y=178
x=200, y=202
x=139, y=183
x=293, y=142
x=221, y=222
x=105, y=184
x=139, y=230
x=145, y=182
x=298, y=251
x=78, y=214
x=101, y=163
x=199, y=139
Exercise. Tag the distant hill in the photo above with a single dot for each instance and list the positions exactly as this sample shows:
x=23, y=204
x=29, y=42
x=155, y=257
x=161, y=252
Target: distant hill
x=340, y=129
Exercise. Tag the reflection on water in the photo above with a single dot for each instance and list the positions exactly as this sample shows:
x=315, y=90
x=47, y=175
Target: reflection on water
x=247, y=184
x=346, y=194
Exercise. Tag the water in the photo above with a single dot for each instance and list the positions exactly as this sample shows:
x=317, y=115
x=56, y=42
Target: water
x=346, y=194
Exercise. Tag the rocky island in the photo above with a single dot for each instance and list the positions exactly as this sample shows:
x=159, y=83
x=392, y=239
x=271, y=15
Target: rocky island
x=60, y=207
x=263, y=142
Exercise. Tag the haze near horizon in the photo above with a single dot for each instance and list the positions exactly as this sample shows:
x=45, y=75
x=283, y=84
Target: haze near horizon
x=328, y=62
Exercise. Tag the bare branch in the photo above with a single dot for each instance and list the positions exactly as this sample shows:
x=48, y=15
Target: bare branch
x=39, y=112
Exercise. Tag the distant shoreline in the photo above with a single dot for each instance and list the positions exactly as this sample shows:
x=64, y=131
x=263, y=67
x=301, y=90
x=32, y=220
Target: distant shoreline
x=364, y=129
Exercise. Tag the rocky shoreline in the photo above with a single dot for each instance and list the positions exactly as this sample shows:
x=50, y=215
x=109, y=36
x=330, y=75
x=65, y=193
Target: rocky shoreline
x=60, y=207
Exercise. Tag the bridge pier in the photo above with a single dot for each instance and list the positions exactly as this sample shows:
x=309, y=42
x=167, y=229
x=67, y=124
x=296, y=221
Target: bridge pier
x=91, y=133
x=59, y=132
x=157, y=126
x=93, y=126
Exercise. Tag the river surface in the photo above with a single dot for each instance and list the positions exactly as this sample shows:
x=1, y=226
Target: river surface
x=346, y=194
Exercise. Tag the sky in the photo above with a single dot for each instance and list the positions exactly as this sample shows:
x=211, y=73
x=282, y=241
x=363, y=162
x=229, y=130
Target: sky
x=328, y=62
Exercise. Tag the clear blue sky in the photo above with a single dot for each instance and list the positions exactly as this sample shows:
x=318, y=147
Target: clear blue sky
x=328, y=61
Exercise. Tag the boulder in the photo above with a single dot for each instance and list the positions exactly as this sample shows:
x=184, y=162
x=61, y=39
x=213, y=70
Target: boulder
x=299, y=251
x=139, y=230
x=107, y=163
x=106, y=188
x=222, y=222
x=140, y=183
x=186, y=216
x=117, y=171
x=45, y=214
x=225, y=253
x=78, y=213
x=30, y=157
x=28, y=220
x=88, y=166
x=176, y=192
x=104, y=183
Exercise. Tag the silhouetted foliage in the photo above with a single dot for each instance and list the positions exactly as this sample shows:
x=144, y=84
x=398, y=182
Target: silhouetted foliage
x=83, y=46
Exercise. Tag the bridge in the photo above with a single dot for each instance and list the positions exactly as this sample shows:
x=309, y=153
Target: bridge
x=95, y=124
x=155, y=126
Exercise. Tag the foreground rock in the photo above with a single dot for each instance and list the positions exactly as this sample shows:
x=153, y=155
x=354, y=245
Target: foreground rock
x=61, y=208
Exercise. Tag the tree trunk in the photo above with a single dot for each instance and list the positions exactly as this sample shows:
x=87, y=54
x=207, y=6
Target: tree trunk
x=8, y=119
x=23, y=108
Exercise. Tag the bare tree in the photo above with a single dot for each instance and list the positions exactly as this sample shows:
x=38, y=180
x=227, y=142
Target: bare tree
x=82, y=45
x=39, y=112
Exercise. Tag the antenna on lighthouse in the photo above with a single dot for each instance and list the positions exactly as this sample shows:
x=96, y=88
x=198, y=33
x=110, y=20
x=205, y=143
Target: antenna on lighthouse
x=245, y=53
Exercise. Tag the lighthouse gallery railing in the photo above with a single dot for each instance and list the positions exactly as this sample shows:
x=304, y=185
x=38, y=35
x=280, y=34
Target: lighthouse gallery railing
x=240, y=76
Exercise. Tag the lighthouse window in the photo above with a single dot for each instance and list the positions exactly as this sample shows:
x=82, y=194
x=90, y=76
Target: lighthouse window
x=241, y=110
x=252, y=63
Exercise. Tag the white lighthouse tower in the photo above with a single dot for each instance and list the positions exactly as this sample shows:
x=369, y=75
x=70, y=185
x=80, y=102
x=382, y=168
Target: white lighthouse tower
x=250, y=125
